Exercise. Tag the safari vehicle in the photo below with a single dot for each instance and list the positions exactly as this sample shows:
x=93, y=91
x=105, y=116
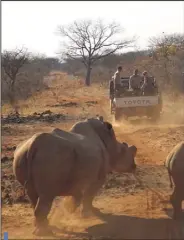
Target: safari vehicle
x=126, y=102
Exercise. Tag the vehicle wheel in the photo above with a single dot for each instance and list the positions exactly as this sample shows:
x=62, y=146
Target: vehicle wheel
x=156, y=115
x=125, y=117
x=160, y=102
x=117, y=114
x=111, y=89
x=112, y=106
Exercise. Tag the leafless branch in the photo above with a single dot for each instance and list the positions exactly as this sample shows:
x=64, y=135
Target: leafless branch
x=12, y=61
x=90, y=41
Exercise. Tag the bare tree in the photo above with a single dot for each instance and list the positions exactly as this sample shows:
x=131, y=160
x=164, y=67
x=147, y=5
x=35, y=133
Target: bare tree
x=90, y=41
x=11, y=62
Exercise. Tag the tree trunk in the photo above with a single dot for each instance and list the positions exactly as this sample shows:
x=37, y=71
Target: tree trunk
x=88, y=76
x=167, y=74
x=12, y=97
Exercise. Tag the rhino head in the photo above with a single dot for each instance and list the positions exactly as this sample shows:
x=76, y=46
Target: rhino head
x=121, y=156
x=125, y=161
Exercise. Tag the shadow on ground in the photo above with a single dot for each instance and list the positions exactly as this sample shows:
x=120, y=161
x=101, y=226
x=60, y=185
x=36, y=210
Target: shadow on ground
x=130, y=227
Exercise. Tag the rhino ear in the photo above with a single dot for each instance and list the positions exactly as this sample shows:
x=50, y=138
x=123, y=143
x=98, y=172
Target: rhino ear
x=99, y=118
x=133, y=150
x=124, y=143
x=108, y=125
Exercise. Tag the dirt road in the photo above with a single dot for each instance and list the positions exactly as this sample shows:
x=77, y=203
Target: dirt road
x=132, y=206
x=137, y=210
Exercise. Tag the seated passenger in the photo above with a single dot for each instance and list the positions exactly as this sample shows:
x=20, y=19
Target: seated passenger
x=149, y=85
x=135, y=80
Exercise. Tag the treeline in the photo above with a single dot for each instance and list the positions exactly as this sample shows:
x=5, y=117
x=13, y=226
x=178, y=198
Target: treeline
x=105, y=67
x=23, y=73
x=169, y=71
x=97, y=45
x=21, y=81
x=92, y=52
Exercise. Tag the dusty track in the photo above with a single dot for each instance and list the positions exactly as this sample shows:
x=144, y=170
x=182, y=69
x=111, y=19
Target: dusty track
x=137, y=215
x=136, y=211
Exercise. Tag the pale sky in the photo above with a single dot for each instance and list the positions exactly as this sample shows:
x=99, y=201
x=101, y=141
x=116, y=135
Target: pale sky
x=33, y=24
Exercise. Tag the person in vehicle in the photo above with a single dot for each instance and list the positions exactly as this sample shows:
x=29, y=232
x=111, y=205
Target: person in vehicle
x=149, y=84
x=135, y=80
x=117, y=77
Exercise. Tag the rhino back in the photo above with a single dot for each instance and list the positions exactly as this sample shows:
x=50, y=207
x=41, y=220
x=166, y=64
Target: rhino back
x=85, y=129
x=74, y=137
x=58, y=164
x=51, y=163
x=175, y=159
x=93, y=154
x=59, y=161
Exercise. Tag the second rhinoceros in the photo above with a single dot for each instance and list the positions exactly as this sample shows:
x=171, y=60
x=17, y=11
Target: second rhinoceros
x=175, y=165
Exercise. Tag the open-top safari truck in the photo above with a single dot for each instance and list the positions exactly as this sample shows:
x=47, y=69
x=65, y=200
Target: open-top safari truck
x=126, y=102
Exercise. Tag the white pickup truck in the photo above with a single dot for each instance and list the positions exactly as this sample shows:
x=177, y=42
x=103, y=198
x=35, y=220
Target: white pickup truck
x=126, y=102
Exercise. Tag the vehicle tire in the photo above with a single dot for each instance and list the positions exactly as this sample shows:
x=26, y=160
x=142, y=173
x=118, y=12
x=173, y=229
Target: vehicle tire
x=111, y=89
x=156, y=115
x=160, y=102
x=125, y=117
x=111, y=106
x=117, y=114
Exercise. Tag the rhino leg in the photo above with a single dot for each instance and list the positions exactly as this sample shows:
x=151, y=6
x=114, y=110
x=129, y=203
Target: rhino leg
x=89, y=195
x=31, y=192
x=73, y=202
x=176, y=201
x=42, y=210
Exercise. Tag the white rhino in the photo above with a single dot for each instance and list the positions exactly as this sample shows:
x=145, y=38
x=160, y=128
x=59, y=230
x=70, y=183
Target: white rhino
x=175, y=165
x=74, y=164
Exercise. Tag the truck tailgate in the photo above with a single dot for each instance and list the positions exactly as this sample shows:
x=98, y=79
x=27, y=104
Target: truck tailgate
x=140, y=101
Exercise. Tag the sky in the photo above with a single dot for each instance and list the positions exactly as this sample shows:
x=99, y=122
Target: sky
x=33, y=24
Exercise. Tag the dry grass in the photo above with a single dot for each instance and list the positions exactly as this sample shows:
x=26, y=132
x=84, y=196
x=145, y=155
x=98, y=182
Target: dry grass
x=62, y=89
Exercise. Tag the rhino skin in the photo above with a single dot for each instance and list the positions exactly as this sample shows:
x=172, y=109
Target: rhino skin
x=120, y=161
x=175, y=166
x=73, y=164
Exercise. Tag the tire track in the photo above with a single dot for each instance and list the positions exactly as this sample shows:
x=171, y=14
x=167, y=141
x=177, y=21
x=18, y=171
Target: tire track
x=154, y=179
x=150, y=175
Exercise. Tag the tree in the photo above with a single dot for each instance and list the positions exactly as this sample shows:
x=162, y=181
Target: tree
x=164, y=49
x=12, y=62
x=90, y=41
x=166, y=45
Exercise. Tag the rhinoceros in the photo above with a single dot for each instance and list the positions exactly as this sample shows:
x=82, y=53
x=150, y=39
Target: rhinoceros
x=73, y=164
x=175, y=166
